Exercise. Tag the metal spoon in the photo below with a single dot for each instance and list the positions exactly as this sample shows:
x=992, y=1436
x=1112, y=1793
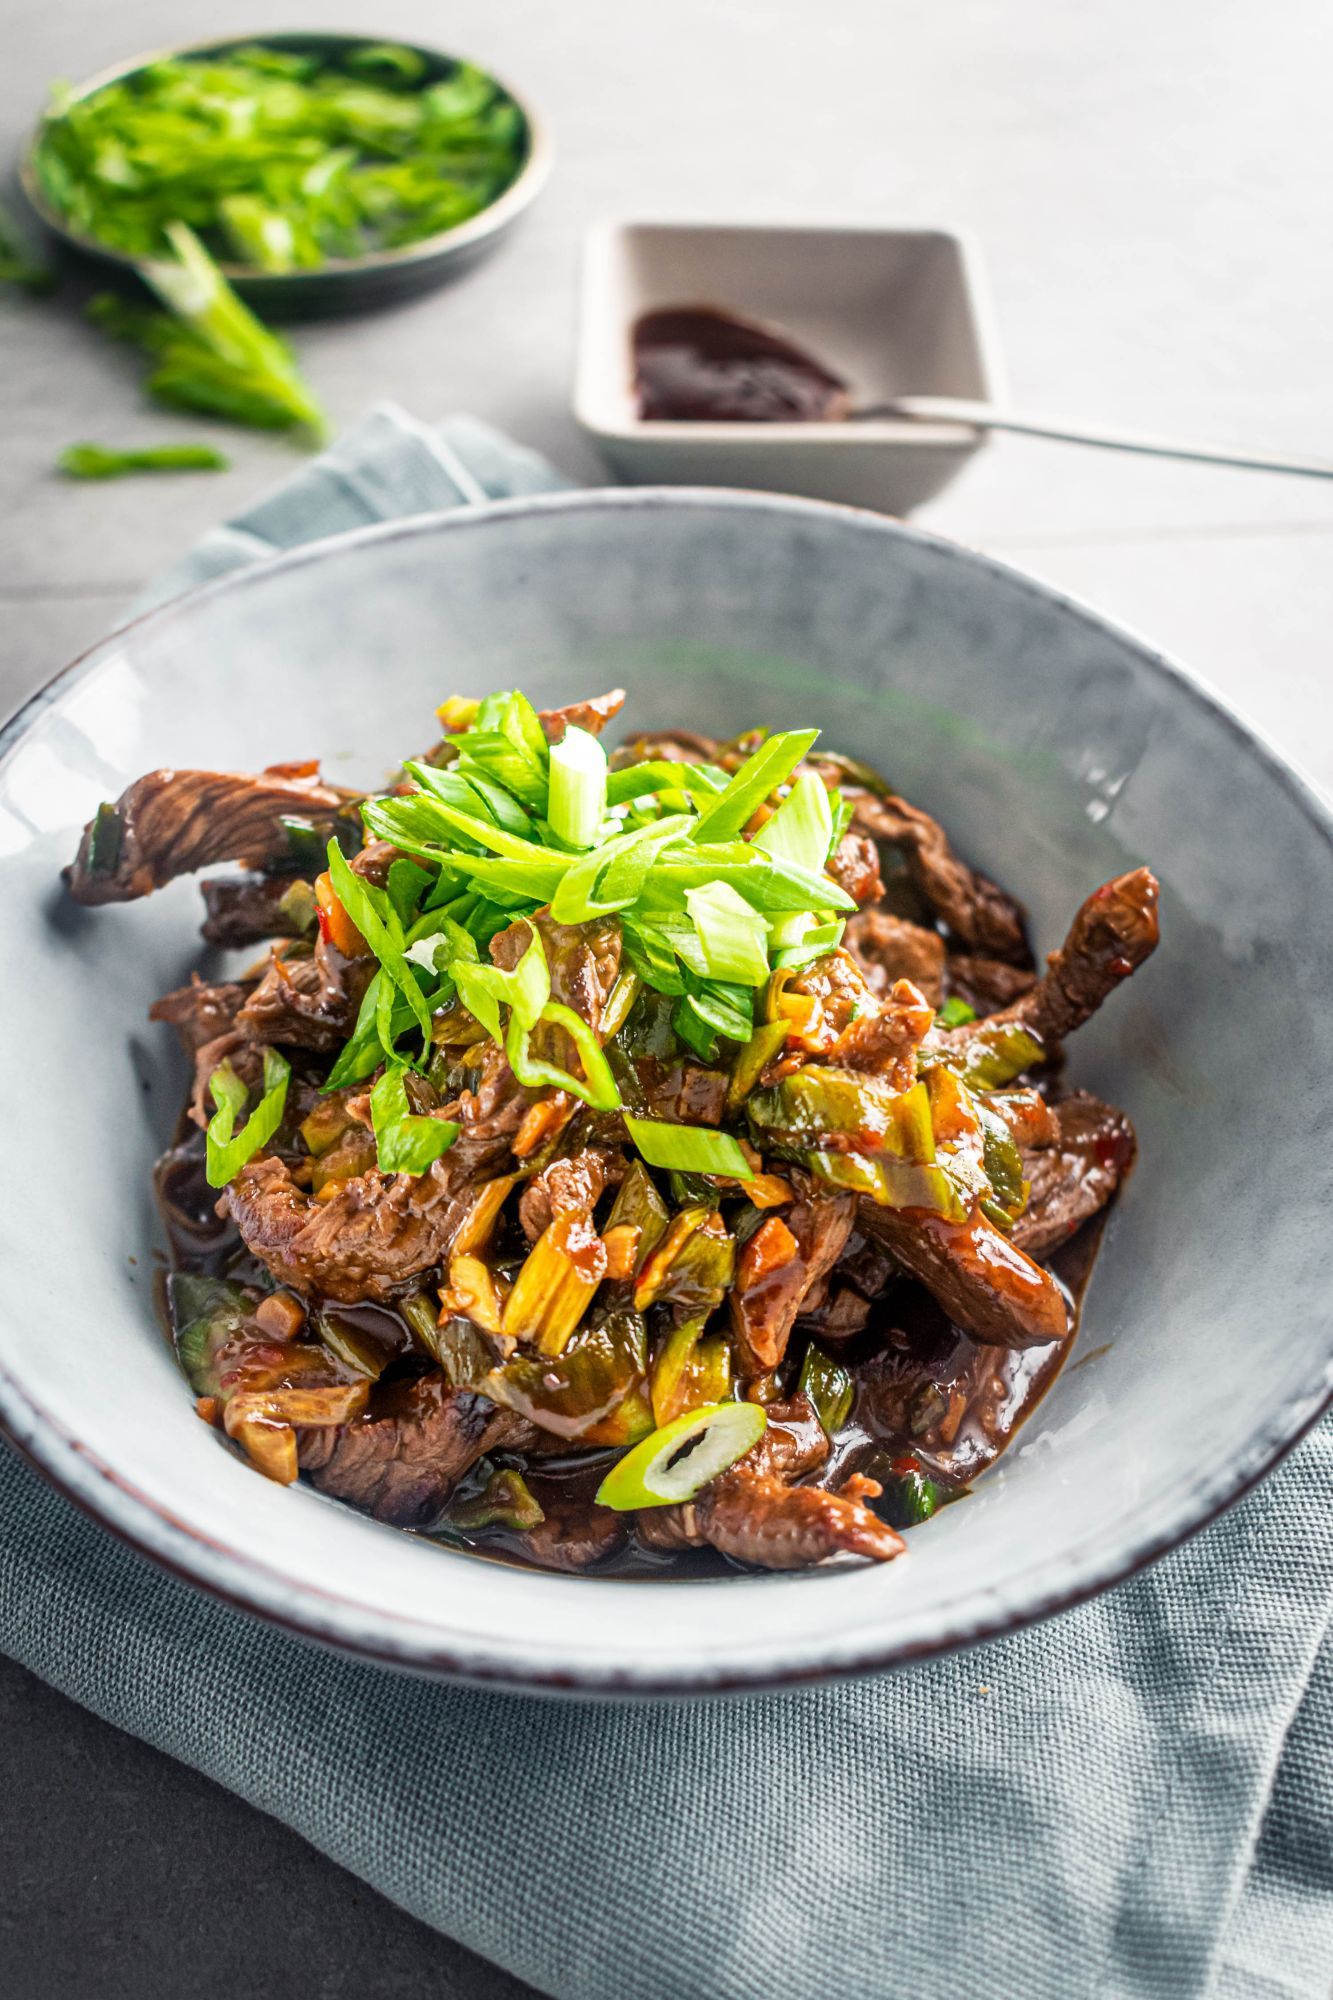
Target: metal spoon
x=986, y=416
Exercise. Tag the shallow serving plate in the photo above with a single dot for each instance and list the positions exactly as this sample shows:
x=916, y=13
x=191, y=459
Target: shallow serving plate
x=342, y=284
x=1058, y=749
x=902, y=311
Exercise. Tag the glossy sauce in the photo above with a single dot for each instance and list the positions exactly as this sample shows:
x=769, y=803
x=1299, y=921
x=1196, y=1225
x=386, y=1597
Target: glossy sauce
x=696, y=364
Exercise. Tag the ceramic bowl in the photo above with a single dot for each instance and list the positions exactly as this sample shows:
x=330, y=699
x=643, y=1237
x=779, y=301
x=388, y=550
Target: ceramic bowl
x=894, y=311
x=341, y=285
x=1058, y=750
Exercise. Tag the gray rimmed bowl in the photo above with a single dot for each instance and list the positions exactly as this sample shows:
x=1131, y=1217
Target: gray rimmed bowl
x=342, y=284
x=1058, y=749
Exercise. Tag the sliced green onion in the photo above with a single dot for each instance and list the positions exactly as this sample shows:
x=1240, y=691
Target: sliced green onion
x=642, y=780
x=226, y=1149
x=577, y=804
x=100, y=461
x=955, y=1013
x=613, y=875
x=675, y=1463
x=802, y=827
x=733, y=936
x=760, y=775
x=829, y=1386
x=404, y=1142
x=373, y=915
x=891, y=1183
x=692, y=1149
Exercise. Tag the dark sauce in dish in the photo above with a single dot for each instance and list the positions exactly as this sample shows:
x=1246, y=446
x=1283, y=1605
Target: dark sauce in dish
x=697, y=364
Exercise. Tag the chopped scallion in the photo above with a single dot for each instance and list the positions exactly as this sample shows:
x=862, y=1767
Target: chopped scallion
x=692, y=1149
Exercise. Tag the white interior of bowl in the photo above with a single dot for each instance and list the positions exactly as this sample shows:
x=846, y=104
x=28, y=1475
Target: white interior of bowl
x=1057, y=750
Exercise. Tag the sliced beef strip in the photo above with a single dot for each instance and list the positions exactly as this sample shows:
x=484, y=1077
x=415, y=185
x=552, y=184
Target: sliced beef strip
x=200, y=1013
x=765, y=1302
x=402, y=1460
x=592, y=715
x=171, y=822
x=854, y=866
x=1113, y=933
x=888, y=948
x=571, y=1186
x=584, y=960
x=307, y=1002
x=979, y=913
x=379, y=1232
x=885, y=1042
x=247, y=909
x=985, y=1283
x=755, y=1514
x=575, y=1534
x=987, y=983
x=1077, y=1175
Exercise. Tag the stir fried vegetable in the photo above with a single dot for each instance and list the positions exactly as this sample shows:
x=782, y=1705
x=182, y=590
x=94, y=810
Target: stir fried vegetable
x=674, y=1463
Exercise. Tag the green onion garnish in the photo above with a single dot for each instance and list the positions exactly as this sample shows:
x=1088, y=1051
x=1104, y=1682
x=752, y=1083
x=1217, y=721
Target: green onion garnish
x=671, y=1465
x=770, y=766
x=691, y=1149
x=801, y=830
x=226, y=1149
x=405, y=1143
x=733, y=937
x=577, y=788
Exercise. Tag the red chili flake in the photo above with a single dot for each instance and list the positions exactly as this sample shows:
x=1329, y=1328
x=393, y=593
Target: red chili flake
x=325, y=929
x=1121, y=967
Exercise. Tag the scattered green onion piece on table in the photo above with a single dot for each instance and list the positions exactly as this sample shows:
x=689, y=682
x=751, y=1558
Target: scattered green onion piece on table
x=405, y=1143
x=100, y=461
x=193, y=287
x=577, y=804
x=226, y=1149
x=692, y=1149
x=675, y=1463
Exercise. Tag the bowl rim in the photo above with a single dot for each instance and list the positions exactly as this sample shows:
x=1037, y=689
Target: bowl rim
x=521, y=192
x=311, y=1612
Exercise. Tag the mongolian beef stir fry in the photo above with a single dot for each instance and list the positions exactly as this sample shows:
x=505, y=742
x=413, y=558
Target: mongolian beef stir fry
x=644, y=1160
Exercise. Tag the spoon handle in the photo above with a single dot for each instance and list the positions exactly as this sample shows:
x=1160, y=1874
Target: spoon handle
x=986, y=416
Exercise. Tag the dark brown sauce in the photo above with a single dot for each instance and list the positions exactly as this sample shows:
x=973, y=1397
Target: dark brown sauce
x=697, y=364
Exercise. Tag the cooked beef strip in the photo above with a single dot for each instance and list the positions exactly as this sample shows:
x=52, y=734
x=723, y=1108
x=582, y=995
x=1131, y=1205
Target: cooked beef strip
x=402, y=1460
x=247, y=909
x=854, y=866
x=683, y=1093
x=570, y=1186
x=1076, y=1176
x=591, y=715
x=575, y=1534
x=885, y=1042
x=172, y=822
x=379, y=1231
x=584, y=960
x=764, y=1301
x=755, y=1514
x=307, y=1001
x=1114, y=931
x=200, y=1013
x=976, y=910
x=985, y=1283
x=987, y=983
x=888, y=948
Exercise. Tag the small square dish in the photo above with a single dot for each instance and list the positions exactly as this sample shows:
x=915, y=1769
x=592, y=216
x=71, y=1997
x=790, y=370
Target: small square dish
x=894, y=311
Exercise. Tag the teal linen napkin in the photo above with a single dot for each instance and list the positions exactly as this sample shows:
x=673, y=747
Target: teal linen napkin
x=1130, y=1800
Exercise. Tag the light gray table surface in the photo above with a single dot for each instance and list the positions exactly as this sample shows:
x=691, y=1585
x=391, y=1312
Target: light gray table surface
x=1152, y=186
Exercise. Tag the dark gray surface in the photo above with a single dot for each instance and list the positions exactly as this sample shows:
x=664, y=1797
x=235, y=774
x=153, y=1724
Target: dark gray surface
x=125, y=1876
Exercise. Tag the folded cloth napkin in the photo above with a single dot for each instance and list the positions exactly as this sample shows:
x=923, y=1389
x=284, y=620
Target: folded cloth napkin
x=1130, y=1800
